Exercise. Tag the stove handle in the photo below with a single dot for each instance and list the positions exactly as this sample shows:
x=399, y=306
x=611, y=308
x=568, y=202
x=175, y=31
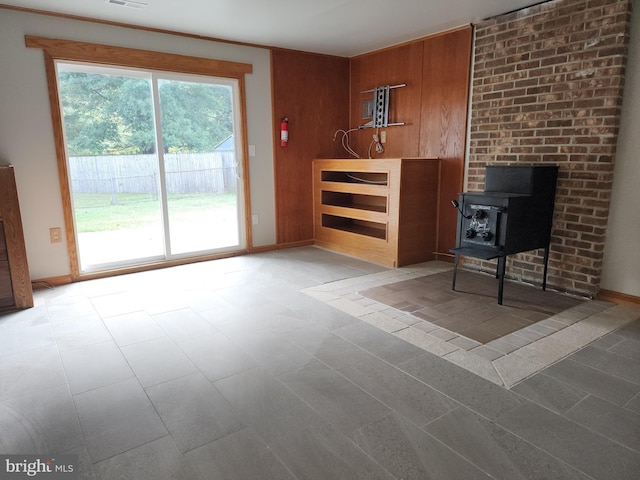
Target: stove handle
x=457, y=205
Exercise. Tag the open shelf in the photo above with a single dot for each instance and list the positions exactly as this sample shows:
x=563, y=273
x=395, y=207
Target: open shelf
x=371, y=203
x=368, y=178
x=361, y=227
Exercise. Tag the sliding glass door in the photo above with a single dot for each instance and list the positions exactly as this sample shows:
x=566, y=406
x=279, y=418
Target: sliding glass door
x=200, y=167
x=152, y=163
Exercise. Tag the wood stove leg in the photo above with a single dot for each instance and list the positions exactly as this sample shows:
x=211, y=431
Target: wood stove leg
x=502, y=262
x=546, y=264
x=455, y=271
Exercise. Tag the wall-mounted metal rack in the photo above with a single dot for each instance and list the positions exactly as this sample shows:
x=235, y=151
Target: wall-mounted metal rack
x=378, y=107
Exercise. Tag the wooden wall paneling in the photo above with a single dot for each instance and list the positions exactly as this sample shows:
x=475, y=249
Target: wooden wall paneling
x=389, y=67
x=313, y=92
x=443, y=121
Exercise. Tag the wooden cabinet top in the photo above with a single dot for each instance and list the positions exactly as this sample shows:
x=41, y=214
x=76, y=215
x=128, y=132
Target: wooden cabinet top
x=368, y=163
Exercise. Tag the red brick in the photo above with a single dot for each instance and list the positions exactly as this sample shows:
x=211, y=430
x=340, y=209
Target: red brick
x=549, y=49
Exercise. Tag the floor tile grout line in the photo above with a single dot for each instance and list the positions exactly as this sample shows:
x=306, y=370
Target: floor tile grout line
x=531, y=445
x=168, y=435
x=72, y=396
x=547, y=451
x=568, y=419
x=602, y=371
x=144, y=389
x=593, y=312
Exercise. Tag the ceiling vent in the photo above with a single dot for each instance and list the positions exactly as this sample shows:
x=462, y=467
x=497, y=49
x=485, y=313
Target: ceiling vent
x=127, y=3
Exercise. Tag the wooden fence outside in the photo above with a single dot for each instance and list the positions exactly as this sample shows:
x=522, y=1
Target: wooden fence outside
x=213, y=172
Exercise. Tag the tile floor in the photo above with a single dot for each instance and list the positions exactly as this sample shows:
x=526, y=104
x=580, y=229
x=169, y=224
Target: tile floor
x=472, y=310
x=417, y=305
x=273, y=366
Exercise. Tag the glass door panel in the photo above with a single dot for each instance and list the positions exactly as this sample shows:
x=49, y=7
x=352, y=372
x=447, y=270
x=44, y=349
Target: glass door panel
x=200, y=165
x=108, y=119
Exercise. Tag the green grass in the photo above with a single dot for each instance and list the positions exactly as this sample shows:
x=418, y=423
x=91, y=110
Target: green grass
x=99, y=212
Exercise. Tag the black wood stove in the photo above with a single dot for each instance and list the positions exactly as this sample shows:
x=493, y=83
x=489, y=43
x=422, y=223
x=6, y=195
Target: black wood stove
x=514, y=214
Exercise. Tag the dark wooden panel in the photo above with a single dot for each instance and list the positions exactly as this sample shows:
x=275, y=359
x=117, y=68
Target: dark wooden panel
x=418, y=217
x=3, y=243
x=389, y=67
x=18, y=270
x=6, y=289
x=443, y=123
x=313, y=92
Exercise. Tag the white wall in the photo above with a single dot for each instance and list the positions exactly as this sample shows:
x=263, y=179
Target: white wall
x=621, y=272
x=26, y=137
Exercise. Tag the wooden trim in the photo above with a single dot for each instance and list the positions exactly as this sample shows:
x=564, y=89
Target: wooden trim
x=43, y=283
x=131, y=26
x=246, y=184
x=136, y=58
x=416, y=40
x=274, y=145
x=63, y=173
x=304, y=52
x=301, y=243
x=263, y=248
x=56, y=49
x=158, y=265
x=50, y=282
x=618, y=297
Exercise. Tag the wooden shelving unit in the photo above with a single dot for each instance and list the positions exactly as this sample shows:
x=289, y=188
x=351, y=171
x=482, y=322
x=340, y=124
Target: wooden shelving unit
x=15, y=282
x=382, y=210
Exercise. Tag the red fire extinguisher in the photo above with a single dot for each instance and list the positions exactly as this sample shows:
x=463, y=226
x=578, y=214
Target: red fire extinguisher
x=284, y=131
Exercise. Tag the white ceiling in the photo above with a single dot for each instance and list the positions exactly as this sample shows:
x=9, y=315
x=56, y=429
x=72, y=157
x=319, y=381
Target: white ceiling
x=335, y=27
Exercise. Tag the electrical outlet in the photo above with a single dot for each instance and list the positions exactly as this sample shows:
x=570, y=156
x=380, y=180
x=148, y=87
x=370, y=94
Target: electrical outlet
x=383, y=136
x=254, y=219
x=55, y=234
x=252, y=150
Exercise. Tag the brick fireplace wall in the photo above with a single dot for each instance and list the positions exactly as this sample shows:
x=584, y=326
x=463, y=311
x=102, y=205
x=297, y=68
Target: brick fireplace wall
x=547, y=89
